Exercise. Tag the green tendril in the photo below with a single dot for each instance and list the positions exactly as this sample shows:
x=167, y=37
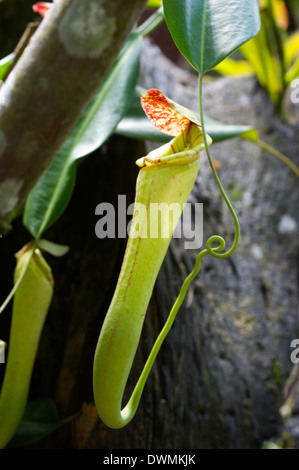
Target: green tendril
x=216, y=238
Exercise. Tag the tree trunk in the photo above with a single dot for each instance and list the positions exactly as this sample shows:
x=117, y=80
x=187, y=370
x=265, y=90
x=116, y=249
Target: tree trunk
x=65, y=62
x=218, y=380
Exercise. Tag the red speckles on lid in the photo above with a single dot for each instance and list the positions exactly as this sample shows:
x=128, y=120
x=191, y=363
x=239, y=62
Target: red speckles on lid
x=161, y=114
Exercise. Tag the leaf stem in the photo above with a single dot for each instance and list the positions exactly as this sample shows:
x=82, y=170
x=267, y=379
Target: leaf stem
x=216, y=238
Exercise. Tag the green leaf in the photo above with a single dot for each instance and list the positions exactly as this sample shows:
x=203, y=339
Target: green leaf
x=54, y=249
x=40, y=419
x=109, y=104
x=4, y=64
x=291, y=48
x=207, y=31
x=261, y=53
x=219, y=131
x=48, y=199
x=50, y=196
x=293, y=72
x=234, y=67
x=153, y=4
x=136, y=125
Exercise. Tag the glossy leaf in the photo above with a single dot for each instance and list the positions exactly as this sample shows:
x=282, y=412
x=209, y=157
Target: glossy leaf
x=110, y=103
x=52, y=193
x=50, y=196
x=207, y=31
x=40, y=419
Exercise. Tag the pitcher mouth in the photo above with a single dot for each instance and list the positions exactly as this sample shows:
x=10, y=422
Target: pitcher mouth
x=181, y=150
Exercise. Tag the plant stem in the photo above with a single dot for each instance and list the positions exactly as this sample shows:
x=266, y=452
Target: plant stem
x=225, y=197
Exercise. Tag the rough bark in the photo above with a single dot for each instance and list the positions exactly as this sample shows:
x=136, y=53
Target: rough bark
x=66, y=61
x=218, y=381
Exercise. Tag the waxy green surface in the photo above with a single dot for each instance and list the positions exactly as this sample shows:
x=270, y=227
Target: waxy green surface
x=30, y=307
